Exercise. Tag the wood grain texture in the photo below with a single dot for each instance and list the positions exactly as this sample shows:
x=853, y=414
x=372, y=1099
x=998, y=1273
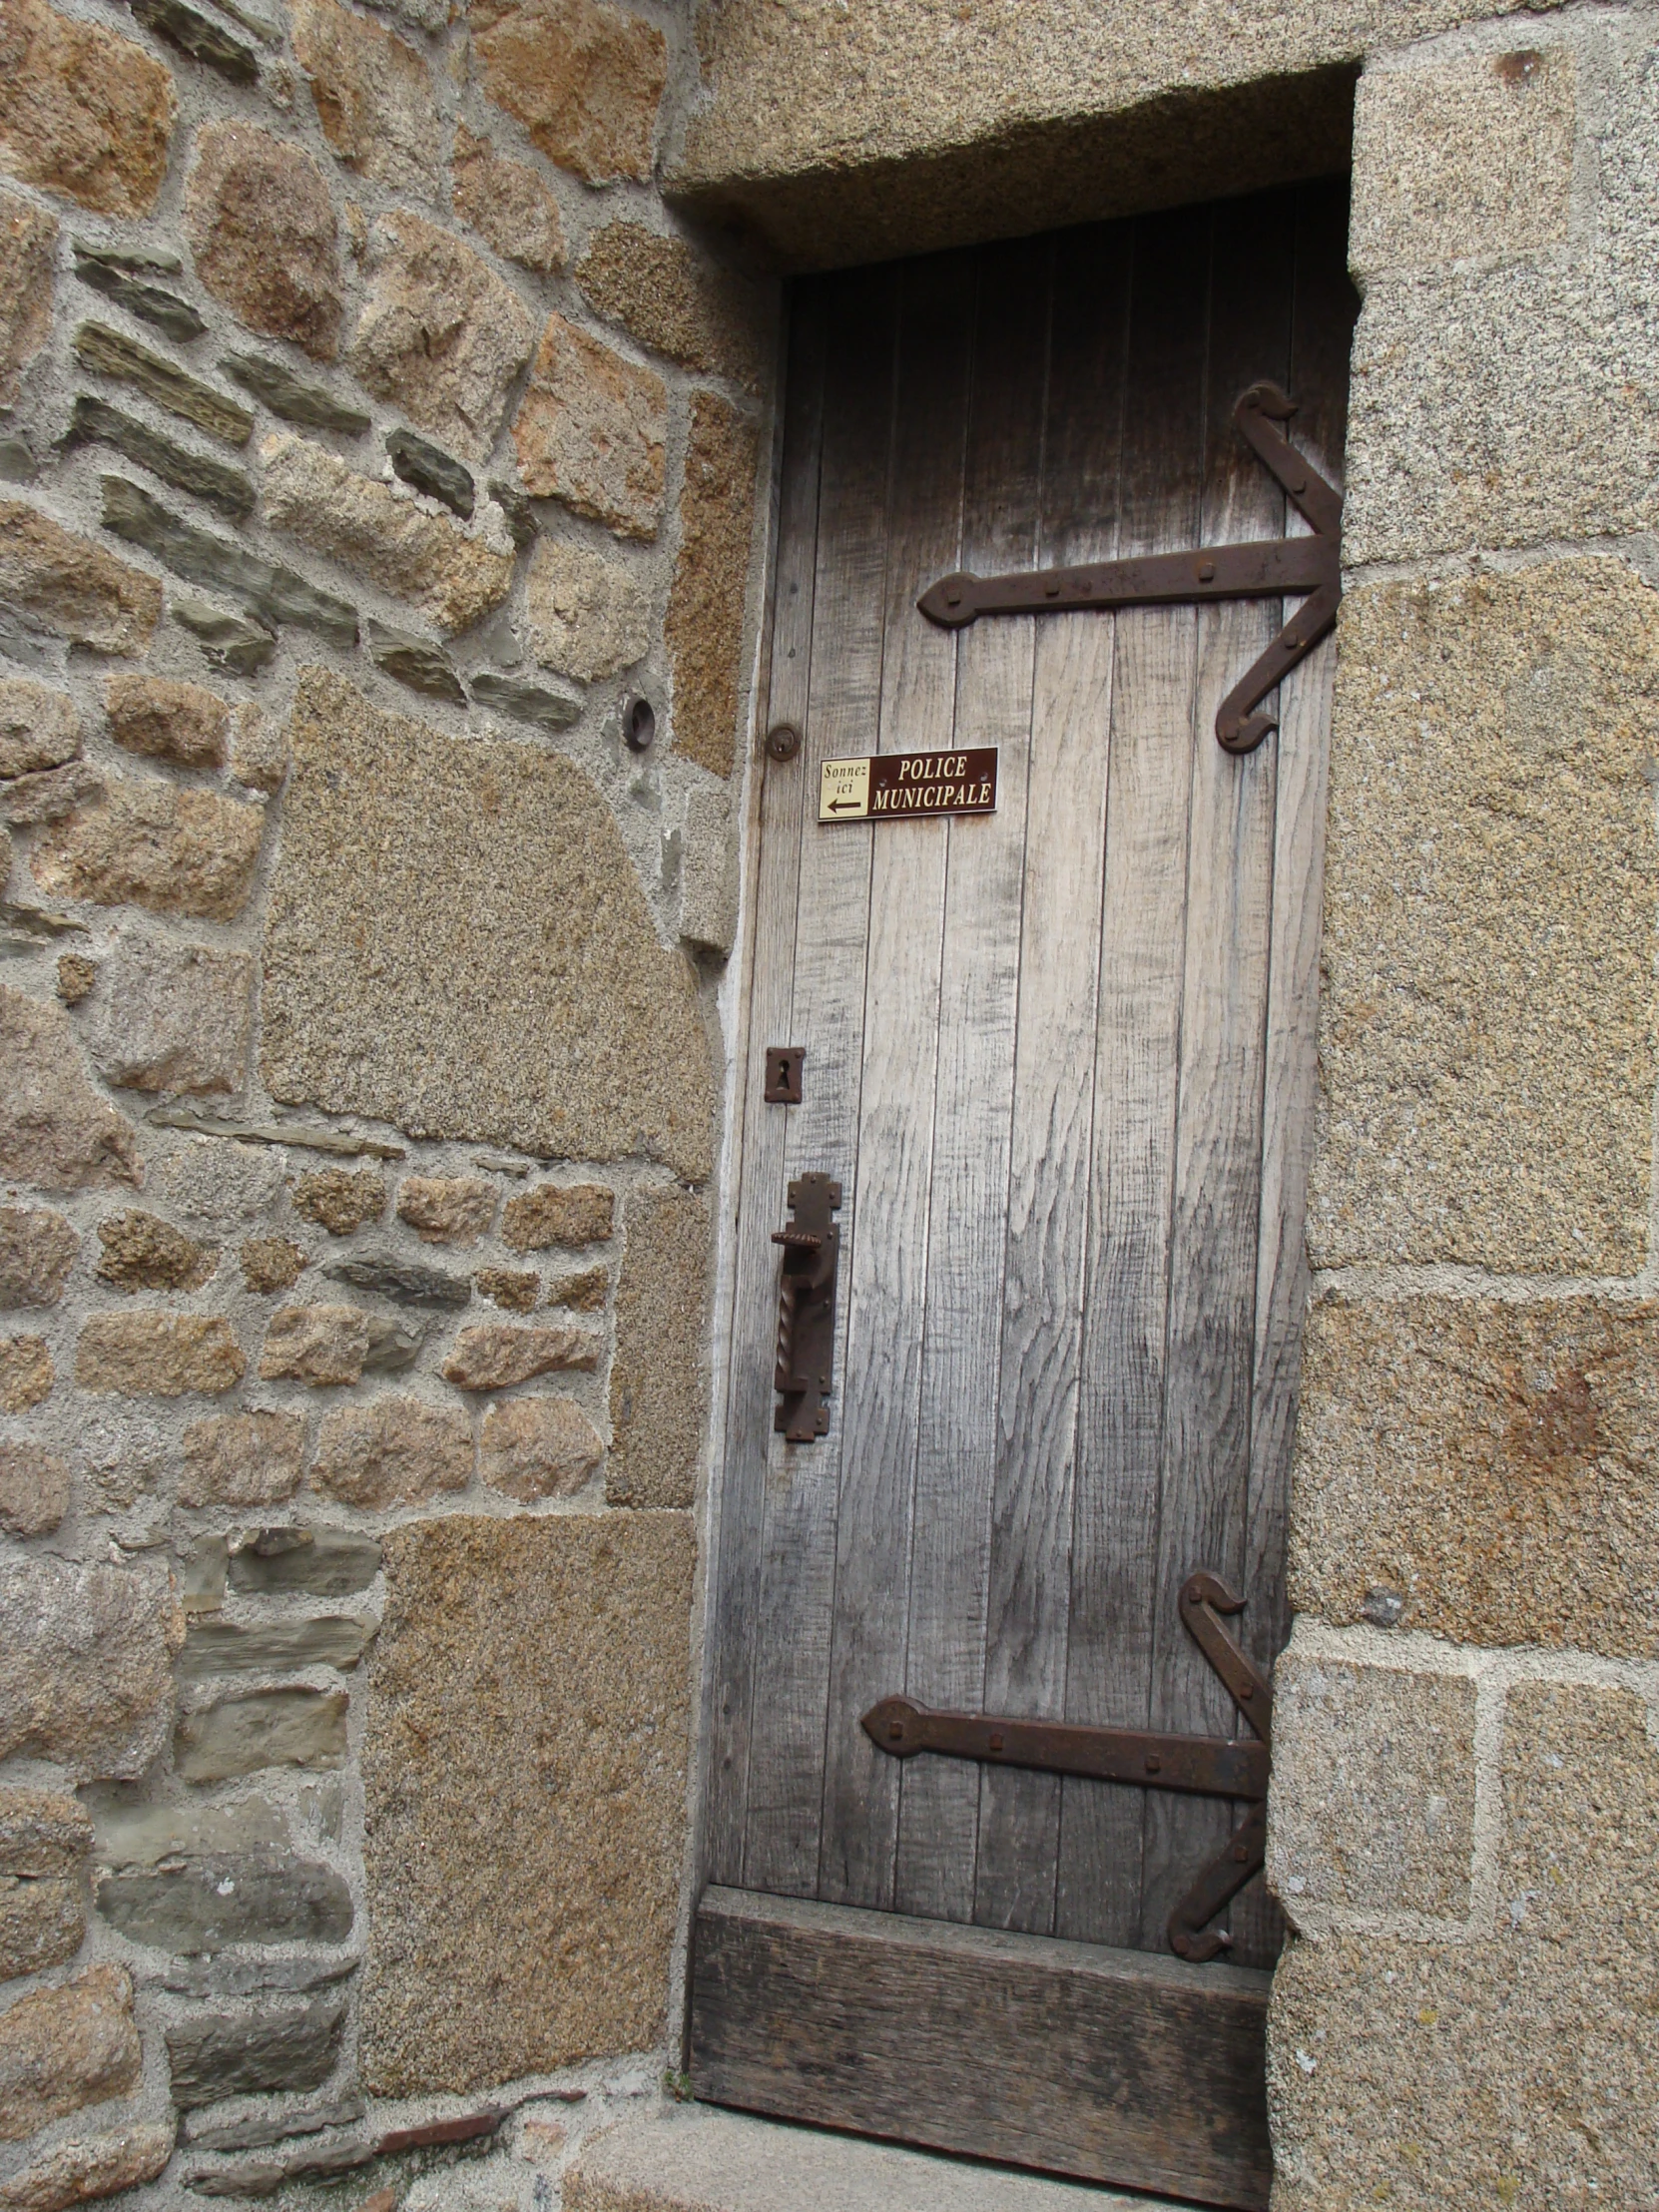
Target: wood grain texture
x=733, y=1651
x=1135, y=1068
x=1066, y=2057
x=1214, y=1221
x=793, y=1600
x=887, y=1284
x=979, y=992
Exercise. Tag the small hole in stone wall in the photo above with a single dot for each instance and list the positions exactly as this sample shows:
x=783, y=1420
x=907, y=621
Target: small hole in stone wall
x=639, y=725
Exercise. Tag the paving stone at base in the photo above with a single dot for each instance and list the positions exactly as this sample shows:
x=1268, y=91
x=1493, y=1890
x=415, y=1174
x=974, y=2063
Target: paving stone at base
x=703, y=2160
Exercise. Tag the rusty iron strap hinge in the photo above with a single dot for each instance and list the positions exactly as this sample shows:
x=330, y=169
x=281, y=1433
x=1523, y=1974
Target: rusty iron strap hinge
x=1267, y=569
x=1204, y=1765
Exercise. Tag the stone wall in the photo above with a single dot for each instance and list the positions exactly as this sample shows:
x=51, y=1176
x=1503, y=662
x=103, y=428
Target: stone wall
x=371, y=438
x=1466, y=1804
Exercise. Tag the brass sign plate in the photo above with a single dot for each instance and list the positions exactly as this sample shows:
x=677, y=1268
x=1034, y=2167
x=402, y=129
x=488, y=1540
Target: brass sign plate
x=887, y=786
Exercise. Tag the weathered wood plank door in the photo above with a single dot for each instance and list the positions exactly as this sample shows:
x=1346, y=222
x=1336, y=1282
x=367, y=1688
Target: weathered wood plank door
x=1060, y=1059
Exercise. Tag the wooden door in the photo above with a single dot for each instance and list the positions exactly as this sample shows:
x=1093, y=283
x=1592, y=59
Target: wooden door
x=1060, y=1058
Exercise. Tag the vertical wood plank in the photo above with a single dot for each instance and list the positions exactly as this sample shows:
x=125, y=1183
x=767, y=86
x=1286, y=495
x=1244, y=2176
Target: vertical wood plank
x=1321, y=334
x=733, y=1654
x=956, y=1419
x=887, y=1282
x=1135, y=1061
x=1048, y=1181
x=1215, y=1222
x=796, y=1538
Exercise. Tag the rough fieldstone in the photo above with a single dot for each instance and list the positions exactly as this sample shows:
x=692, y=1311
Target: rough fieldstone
x=558, y=1214
x=493, y=1354
x=44, y=1841
x=507, y=204
x=590, y=431
x=679, y=303
x=341, y=1200
x=158, y=1355
x=166, y=720
x=424, y=467
x=585, y=1292
x=259, y=2128
x=392, y=1452
x=123, y=1455
x=709, y=871
x=537, y=1010
x=56, y=1129
x=411, y=661
x=271, y=1264
x=1472, y=156
x=1492, y=873
x=34, y=1489
x=292, y=397
x=273, y=593
x=317, y=1345
x=1492, y=1465
x=231, y=1898
x=583, y=78
x=171, y=1017
x=535, y=1448
x=28, y=243
x=175, y=850
x=508, y=1287
x=1372, y=1787
x=76, y=976
x=403, y=1280
x=710, y=575
x=588, y=615
x=108, y=353
x=230, y=644
x=374, y=96
x=83, y=112
x=83, y=2170
x=259, y=755
x=197, y=35
x=86, y=1665
x=441, y=336
x=66, y=585
x=526, y=702
x=323, y=1562
x=569, y=1633
x=260, y=225
x=273, y=1647
x=144, y=1253
x=1518, y=2069
x=209, y=1179
x=227, y=489
x=64, y=2048
x=125, y=279
x=229, y=2054
x=37, y=1250
x=658, y=1387
x=26, y=1373
x=252, y=1729
x=51, y=795
x=39, y=728
x=446, y=1209
x=452, y=575
x=242, y=1459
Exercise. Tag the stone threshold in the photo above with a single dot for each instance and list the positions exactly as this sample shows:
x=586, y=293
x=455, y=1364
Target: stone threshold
x=699, y=2158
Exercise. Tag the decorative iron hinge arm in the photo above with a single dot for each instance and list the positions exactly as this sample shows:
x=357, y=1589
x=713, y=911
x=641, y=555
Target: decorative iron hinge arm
x=1268, y=568
x=1202, y=1766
